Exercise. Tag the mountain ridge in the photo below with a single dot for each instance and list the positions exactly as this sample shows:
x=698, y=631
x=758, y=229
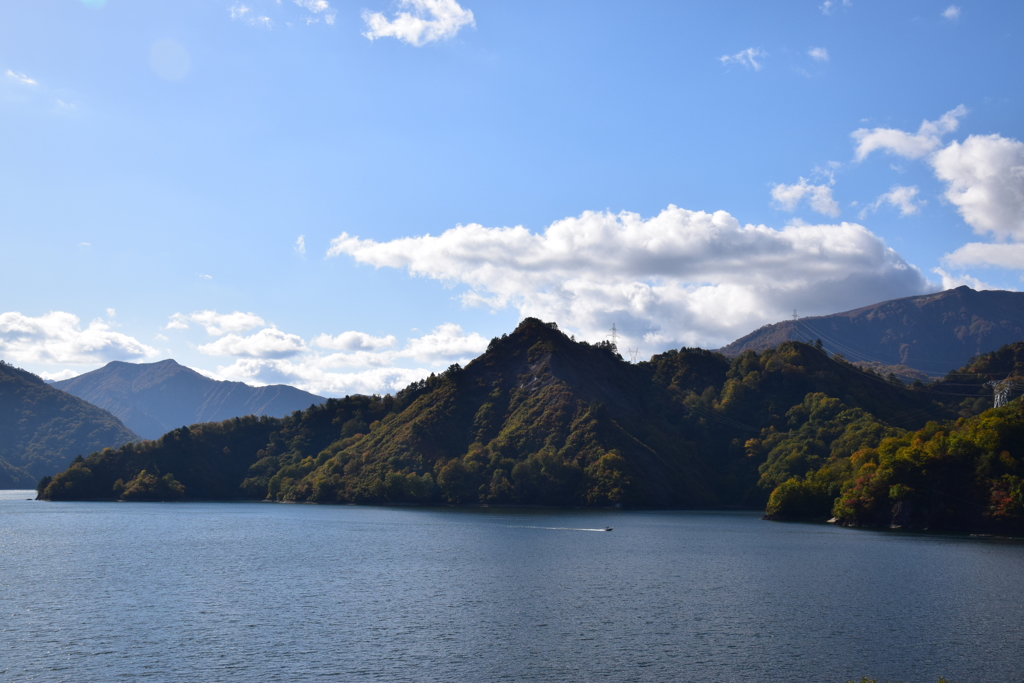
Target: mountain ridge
x=153, y=398
x=538, y=418
x=929, y=333
x=42, y=428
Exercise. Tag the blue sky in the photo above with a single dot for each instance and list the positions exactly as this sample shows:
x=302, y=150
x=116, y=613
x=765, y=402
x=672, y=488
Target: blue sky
x=345, y=196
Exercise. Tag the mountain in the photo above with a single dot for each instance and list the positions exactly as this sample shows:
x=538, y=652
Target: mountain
x=43, y=428
x=153, y=398
x=932, y=333
x=537, y=419
x=964, y=475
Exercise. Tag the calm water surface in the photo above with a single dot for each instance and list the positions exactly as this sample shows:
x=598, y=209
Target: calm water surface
x=243, y=592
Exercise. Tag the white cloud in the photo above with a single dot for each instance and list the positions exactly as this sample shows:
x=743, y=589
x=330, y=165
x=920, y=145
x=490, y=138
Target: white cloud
x=318, y=7
x=21, y=78
x=446, y=343
x=748, y=58
x=367, y=365
x=953, y=281
x=428, y=21
x=909, y=145
x=353, y=341
x=900, y=197
x=679, y=277
x=216, y=324
x=58, y=337
x=244, y=13
x=819, y=197
x=980, y=254
x=300, y=245
x=818, y=54
x=985, y=180
x=269, y=342
x=204, y=276
x=309, y=376
x=67, y=373
x=952, y=13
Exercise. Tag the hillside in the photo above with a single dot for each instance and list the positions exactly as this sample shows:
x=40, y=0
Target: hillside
x=153, y=398
x=537, y=419
x=965, y=475
x=933, y=333
x=43, y=428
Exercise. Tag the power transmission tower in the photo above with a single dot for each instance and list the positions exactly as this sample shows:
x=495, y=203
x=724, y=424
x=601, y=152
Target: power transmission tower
x=615, y=339
x=1000, y=392
x=633, y=353
x=795, y=316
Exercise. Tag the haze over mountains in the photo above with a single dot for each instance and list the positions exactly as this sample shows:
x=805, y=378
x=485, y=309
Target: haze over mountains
x=153, y=398
x=933, y=333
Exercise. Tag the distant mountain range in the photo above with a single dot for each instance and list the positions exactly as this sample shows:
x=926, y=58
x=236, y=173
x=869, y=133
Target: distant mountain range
x=932, y=334
x=42, y=428
x=154, y=398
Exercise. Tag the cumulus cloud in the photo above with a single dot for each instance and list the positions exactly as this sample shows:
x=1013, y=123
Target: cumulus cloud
x=818, y=54
x=900, y=197
x=950, y=281
x=59, y=375
x=309, y=376
x=300, y=245
x=679, y=277
x=353, y=341
x=748, y=58
x=980, y=254
x=910, y=145
x=21, y=78
x=985, y=181
x=426, y=22
x=446, y=343
x=216, y=324
x=364, y=364
x=952, y=13
x=819, y=197
x=269, y=342
x=58, y=337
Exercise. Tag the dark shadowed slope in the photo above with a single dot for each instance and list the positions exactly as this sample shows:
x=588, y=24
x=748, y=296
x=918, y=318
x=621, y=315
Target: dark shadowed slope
x=43, y=428
x=933, y=333
x=153, y=398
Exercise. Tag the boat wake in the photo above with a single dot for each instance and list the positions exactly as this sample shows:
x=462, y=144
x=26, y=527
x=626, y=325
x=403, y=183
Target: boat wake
x=559, y=528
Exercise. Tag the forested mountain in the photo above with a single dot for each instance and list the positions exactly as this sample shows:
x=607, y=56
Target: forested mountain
x=153, y=398
x=537, y=419
x=933, y=333
x=837, y=460
x=43, y=428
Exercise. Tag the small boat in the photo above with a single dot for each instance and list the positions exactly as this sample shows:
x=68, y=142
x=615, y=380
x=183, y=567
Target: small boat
x=607, y=528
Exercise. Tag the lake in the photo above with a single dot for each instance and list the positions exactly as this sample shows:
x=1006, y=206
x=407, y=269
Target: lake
x=259, y=591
